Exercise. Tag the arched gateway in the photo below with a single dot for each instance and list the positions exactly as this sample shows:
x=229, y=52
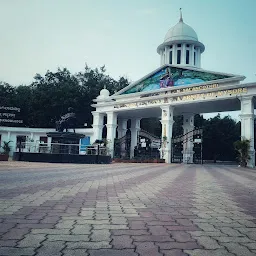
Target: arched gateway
x=178, y=87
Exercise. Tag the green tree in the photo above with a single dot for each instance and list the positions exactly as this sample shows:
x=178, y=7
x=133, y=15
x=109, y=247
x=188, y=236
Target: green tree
x=49, y=96
x=7, y=93
x=219, y=134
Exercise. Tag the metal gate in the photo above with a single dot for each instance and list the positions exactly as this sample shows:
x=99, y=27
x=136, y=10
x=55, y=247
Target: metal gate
x=147, y=146
x=122, y=147
x=195, y=136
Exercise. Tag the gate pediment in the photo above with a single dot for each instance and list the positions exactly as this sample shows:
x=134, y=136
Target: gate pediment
x=169, y=76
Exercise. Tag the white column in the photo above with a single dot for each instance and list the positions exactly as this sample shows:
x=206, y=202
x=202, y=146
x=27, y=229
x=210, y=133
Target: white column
x=167, y=124
x=8, y=136
x=111, y=131
x=31, y=143
x=135, y=128
x=191, y=61
x=174, y=54
x=188, y=126
x=49, y=144
x=122, y=127
x=247, y=125
x=198, y=57
x=166, y=61
x=13, y=145
x=183, y=54
x=98, y=119
x=162, y=58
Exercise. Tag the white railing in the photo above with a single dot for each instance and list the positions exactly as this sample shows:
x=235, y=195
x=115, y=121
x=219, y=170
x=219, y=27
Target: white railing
x=60, y=148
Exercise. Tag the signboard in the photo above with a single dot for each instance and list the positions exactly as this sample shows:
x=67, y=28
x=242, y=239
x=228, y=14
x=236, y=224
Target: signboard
x=181, y=90
x=143, y=144
x=9, y=115
x=84, y=143
x=197, y=140
x=184, y=98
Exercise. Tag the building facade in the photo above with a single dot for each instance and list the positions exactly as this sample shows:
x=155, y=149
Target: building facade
x=33, y=138
x=178, y=87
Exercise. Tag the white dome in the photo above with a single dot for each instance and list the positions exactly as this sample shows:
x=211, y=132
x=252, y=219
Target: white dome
x=179, y=34
x=104, y=93
x=181, y=31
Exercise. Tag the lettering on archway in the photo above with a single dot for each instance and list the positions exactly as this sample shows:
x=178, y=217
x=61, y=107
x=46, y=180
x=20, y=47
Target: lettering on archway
x=197, y=96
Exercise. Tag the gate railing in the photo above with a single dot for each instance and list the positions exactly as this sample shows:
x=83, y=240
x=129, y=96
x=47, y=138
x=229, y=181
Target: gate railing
x=194, y=136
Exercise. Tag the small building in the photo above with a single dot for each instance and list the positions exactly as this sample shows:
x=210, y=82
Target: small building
x=31, y=139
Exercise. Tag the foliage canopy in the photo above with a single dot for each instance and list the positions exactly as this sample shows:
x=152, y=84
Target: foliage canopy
x=49, y=96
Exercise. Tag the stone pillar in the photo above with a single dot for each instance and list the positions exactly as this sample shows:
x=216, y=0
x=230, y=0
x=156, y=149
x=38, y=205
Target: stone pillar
x=122, y=127
x=135, y=128
x=188, y=126
x=111, y=131
x=167, y=124
x=98, y=119
x=247, y=125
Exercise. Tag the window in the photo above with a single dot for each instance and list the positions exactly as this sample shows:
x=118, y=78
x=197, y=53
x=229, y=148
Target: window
x=171, y=47
x=194, y=58
x=170, y=57
x=187, y=45
x=179, y=45
x=178, y=56
x=43, y=139
x=187, y=56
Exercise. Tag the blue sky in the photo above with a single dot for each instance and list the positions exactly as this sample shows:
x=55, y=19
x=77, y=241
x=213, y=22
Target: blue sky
x=123, y=35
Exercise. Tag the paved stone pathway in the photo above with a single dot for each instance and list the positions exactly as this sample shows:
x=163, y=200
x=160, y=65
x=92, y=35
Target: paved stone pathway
x=126, y=209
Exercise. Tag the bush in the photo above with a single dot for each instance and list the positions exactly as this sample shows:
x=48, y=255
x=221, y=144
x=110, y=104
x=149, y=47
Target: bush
x=6, y=148
x=242, y=147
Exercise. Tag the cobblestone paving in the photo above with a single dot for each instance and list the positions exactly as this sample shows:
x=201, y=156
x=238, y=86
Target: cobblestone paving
x=127, y=209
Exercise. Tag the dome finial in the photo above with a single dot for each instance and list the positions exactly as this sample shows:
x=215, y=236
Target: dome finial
x=181, y=19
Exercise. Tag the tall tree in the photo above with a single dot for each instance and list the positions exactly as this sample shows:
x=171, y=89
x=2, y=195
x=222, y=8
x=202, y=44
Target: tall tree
x=219, y=135
x=49, y=96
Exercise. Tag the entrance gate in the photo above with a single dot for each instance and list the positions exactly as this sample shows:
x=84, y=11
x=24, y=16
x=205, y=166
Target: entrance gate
x=147, y=146
x=196, y=137
x=122, y=147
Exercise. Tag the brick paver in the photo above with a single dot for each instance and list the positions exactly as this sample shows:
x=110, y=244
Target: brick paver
x=126, y=209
